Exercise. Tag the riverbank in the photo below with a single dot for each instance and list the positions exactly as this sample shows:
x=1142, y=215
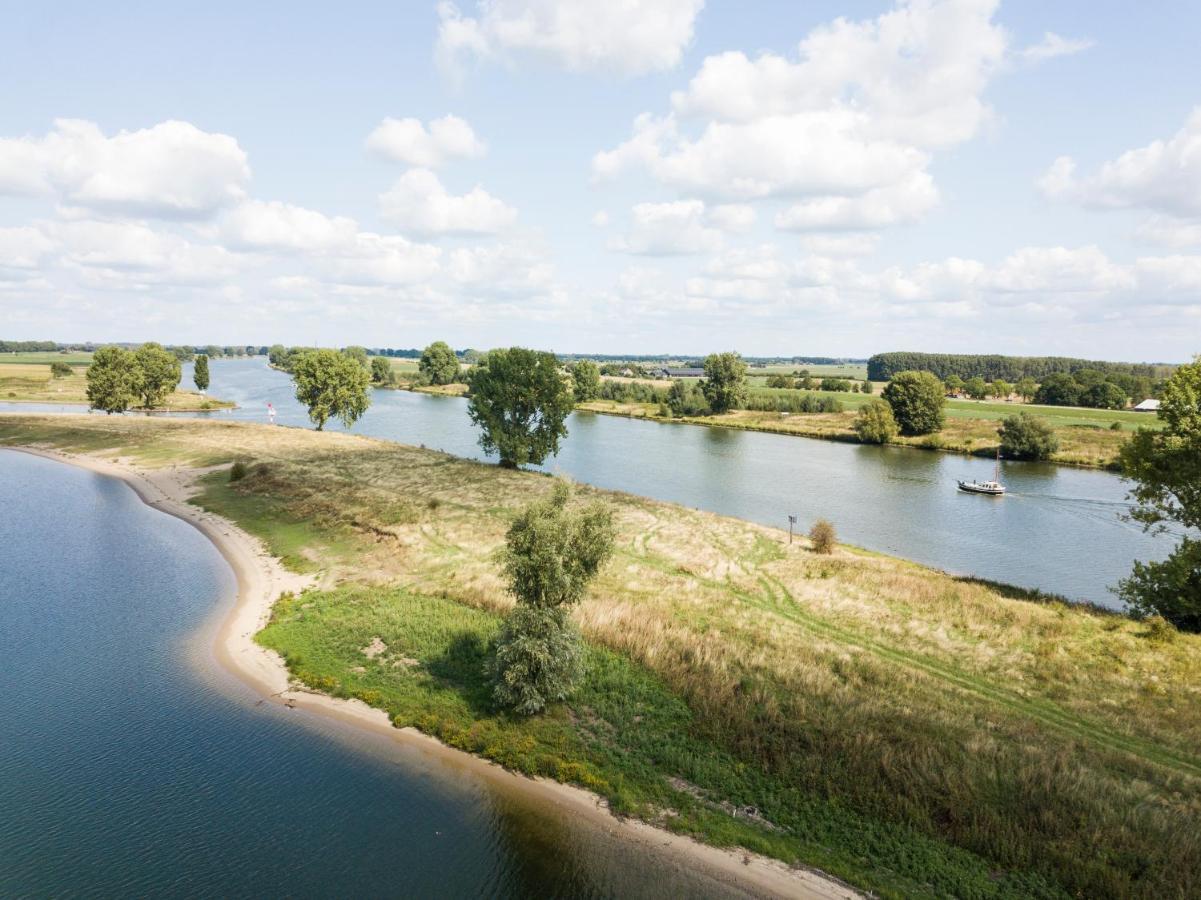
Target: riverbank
x=1085, y=446
x=916, y=733
x=262, y=580
x=33, y=383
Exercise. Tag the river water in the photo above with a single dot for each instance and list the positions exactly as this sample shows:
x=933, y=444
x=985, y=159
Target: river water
x=1059, y=529
x=132, y=765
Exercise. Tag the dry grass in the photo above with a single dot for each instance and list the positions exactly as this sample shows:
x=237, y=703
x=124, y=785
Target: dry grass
x=33, y=383
x=1037, y=734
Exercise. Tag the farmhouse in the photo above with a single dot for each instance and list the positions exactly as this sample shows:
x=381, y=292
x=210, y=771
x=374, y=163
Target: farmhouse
x=1148, y=406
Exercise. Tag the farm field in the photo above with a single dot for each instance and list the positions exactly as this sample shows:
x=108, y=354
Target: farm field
x=912, y=732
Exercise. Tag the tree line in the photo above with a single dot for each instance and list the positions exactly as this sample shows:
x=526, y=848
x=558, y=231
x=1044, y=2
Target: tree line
x=883, y=366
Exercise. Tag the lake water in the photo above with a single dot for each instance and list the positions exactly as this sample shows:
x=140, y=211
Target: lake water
x=132, y=765
x=1058, y=530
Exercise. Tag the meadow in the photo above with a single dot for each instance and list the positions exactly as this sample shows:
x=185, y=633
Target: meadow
x=33, y=383
x=74, y=357
x=915, y=733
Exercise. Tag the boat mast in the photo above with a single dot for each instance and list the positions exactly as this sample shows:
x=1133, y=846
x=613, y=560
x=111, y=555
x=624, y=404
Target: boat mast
x=997, y=471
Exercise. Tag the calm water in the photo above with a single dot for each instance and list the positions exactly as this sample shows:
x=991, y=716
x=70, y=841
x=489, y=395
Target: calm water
x=130, y=765
x=1058, y=530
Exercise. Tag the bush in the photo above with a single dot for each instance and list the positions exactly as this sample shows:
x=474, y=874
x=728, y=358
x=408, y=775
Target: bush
x=237, y=471
x=917, y=402
x=823, y=537
x=875, y=423
x=1024, y=436
x=1170, y=589
x=1115, y=426
x=538, y=659
x=60, y=369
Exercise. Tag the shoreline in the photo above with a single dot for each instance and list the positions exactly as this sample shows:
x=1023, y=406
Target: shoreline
x=261, y=579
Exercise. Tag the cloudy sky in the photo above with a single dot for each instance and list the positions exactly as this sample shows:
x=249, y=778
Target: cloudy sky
x=627, y=175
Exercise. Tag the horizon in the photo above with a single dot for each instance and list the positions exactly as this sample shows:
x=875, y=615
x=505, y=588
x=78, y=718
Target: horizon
x=962, y=176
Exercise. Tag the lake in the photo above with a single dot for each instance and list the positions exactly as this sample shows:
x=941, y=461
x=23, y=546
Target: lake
x=1058, y=530
x=131, y=764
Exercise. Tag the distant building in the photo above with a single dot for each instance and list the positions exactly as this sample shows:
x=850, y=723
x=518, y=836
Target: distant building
x=1148, y=406
x=679, y=373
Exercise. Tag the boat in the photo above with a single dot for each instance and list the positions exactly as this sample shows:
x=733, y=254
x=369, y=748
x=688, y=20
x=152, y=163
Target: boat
x=993, y=488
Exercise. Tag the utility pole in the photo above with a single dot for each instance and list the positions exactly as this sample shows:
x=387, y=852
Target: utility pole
x=791, y=522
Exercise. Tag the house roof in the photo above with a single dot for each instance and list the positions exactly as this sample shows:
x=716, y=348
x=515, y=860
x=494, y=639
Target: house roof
x=1147, y=406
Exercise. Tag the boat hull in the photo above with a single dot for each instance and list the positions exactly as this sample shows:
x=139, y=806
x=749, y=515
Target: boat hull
x=970, y=488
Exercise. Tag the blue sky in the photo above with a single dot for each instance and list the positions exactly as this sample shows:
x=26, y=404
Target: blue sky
x=665, y=175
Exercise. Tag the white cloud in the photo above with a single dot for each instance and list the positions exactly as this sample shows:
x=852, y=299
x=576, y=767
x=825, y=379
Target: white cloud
x=732, y=218
x=258, y=225
x=668, y=229
x=23, y=247
x=1163, y=176
x=173, y=170
x=408, y=141
x=1052, y=45
x=134, y=256
x=1169, y=231
x=419, y=203
x=600, y=219
x=626, y=36
x=847, y=130
x=835, y=245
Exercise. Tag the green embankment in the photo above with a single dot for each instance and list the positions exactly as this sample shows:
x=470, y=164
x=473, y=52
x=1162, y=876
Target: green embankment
x=914, y=733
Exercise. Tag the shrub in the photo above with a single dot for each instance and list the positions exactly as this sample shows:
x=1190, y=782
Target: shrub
x=538, y=659
x=1115, y=426
x=237, y=471
x=60, y=369
x=875, y=423
x=917, y=402
x=1024, y=436
x=823, y=537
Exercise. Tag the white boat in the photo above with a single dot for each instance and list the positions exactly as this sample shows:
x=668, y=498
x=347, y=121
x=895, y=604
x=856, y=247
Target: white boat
x=993, y=488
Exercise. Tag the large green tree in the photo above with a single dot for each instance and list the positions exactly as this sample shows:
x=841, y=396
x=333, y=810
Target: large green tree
x=1165, y=467
x=438, y=363
x=331, y=385
x=1024, y=436
x=875, y=423
x=521, y=402
x=200, y=373
x=917, y=402
x=586, y=381
x=381, y=371
x=725, y=381
x=161, y=372
x=552, y=552
x=114, y=380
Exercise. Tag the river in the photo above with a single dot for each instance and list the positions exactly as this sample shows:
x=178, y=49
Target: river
x=1058, y=530
x=132, y=764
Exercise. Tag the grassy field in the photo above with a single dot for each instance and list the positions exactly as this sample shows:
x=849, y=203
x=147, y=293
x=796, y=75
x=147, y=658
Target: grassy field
x=915, y=733
x=33, y=383
x=45, y=358
x=858, y=371
x=1085, y=436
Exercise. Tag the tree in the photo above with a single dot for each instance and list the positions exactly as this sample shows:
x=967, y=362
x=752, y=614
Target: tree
x=954, y=385
x=1027, y=387
x=381, y=371
x=359, y=355
x=834, y=384
x=917, y=401
x=1058, y=389
x=1104, y=395
x=1000, y=389
x=585, y=377
x=823, y=537
x=521, y=402
x=200, y=373
x=551, y=555
x=161, y=372
x=875, y=423
x=1165, y=467
x=331, y=385
x=1024, y=436
x=687, y=399
x=725, y=381
x=976, y=388
x=438, y=363
x=60, y=369
x=277, y=355
x=114, y=380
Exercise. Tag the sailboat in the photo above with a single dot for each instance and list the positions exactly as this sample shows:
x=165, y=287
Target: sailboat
x=993, y=488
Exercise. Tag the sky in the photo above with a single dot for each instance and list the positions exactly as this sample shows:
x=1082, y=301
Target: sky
x=626, y=176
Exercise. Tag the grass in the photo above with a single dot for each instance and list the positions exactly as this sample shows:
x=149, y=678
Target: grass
x=32, y=382
x=915, y=733
x=1085, y=438
x=75, y=358
x=406, y=373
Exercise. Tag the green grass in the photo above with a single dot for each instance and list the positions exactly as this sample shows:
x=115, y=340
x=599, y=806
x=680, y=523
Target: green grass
x=74, y=358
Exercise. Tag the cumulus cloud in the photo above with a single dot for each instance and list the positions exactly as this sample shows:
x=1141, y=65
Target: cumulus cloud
x=1163, y=176
x=1052, y=45
x=172, y=170
x=669, y=229
x=258, y=225
x=419, y=203
x=135, y=256
x=846, y=130
x=23, y=247
x=409, y=141
x=630, y=37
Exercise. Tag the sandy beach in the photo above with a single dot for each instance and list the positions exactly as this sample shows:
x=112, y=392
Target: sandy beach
x=262, y=578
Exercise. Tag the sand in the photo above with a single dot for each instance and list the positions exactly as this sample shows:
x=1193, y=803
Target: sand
x=262, y=579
